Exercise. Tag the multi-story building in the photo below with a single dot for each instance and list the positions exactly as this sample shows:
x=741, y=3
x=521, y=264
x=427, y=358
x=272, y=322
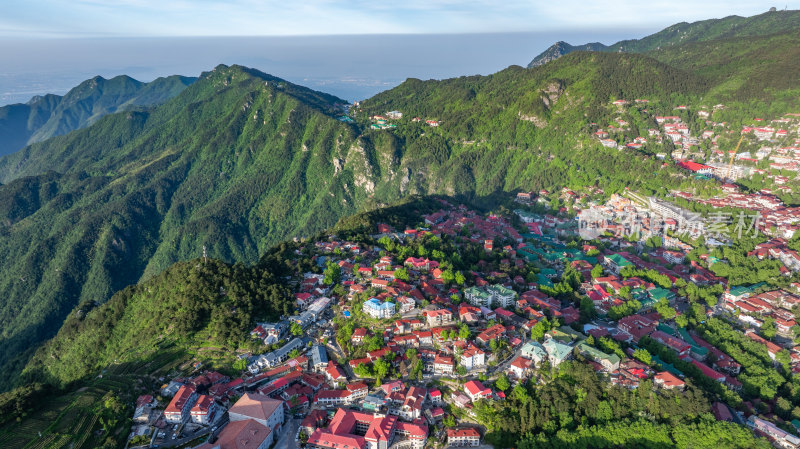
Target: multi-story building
x=181, y=404
x=378, y=309
x=356, y=430
x=262, y=409
x=472, y=358
x=463, y=437
x=204, y=410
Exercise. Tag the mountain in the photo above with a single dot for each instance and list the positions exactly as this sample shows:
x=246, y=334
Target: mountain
x=53, y=115
x=683, y=33
x=240, y=160
x=560, y=49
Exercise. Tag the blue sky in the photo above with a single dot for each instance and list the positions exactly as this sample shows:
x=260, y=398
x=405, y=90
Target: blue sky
x=91, y=18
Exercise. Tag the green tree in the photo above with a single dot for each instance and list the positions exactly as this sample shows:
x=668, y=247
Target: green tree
x=597, y=271
x=502, y=383
x=296, y=329
x=768, y=329
x=333, y=273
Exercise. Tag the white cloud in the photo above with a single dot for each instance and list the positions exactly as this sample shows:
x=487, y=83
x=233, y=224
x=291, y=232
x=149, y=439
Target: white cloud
x=287, y=17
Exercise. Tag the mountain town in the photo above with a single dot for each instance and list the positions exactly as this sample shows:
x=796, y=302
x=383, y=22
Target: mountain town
x=393, y=348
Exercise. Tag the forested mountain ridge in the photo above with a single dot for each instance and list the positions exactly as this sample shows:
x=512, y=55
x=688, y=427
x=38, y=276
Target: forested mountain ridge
x=241, y=160
x=52, y=115
x=683, y=33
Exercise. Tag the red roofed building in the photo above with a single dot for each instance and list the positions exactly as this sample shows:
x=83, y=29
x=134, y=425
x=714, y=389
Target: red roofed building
x=379, y=432
x=676, y=344
x=204, y=410
x=668, y=381
x=179, y=407
x=334, y=373
x=637, y=326
x=708, y=372
x=443, y=364
x=463, y=437
x=475, y=390
x=695, y=167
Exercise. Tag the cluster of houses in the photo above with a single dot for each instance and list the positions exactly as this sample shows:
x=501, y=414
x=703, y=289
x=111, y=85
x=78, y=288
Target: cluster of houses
x=312, y=375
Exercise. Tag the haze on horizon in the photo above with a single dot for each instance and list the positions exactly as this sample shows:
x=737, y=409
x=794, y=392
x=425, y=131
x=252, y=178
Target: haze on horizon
x=351, y=49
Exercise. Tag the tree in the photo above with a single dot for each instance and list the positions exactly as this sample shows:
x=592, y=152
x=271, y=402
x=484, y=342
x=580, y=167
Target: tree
x=463, y=332
x=449, y=421
x=597, y=271
x=643, y=355
x=682, y=320
x=539, y=329
x=333, y=273
x=401, y=274
x=240, y=364
x=502, y=383
x=459, y=278
x=296, y=329
x=768, y=329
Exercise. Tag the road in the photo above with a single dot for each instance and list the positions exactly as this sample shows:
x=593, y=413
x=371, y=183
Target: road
x=288, y=432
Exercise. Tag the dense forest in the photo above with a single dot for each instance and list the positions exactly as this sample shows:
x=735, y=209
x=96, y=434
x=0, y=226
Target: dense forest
x=574, y=408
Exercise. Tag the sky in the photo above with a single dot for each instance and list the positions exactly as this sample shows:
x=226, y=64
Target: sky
x=142, y=18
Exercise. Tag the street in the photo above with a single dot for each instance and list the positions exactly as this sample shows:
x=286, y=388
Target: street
x=288, y=432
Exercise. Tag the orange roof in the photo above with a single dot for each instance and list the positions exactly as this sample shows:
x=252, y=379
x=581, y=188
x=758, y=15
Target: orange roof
x=669, y=379
x=247, y=434
x=256, y=406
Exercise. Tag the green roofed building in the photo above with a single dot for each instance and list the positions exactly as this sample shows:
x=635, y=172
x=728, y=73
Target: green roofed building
x=742, y=291
x=609, y=361
x=657, y=294
x=478, y=297
x=615, y=263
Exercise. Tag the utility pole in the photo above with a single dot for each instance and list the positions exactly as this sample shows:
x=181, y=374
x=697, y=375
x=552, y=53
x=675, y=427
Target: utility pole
x=205, y=255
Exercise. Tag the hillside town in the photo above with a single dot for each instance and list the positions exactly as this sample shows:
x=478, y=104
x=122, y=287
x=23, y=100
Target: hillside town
x=391, y=347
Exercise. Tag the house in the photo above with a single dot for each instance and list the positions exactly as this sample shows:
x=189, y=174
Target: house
x=319, y=357
x=502, y=296
x=615, y=262
x=674, y=343
x=358, y=335
x=443, y=364
x=668, y=381
x=478, y=296
x=493, y=333
x=377, y=309
x=472, y=358
x=534, y=351
x=463, y=437
x=556, y=352
x=520, y=367
x=475, y=390
x=178, y=410
x=609, y=361
x=349, y=429
x=334, y=398
x=439, y=317
x=204, y=410
x=262, y=409
x=334, y=373
x=358, y=390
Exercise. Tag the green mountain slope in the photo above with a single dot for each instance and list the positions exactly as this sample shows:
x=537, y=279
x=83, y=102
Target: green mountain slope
x=684, y=33
x=241, y=160
x=52, y=115
x=743, y=68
